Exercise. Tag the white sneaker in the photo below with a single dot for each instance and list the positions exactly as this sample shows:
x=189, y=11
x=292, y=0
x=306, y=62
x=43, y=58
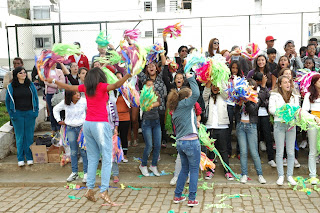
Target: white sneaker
x=262, y=180
x=244, y=179
x=125, y=160
x=144, y=170
x=272, y=163
x=30, y=162
x=291, y=180
x=173, y=181
x=84, y=179
x=313, y=181
x=20, y=163
x=285, y=162
x=73, y=176
x=303, y=144
x=154, y=169
x=263, y=146
x=280, y=181
x=296, y=163
x=139, y=130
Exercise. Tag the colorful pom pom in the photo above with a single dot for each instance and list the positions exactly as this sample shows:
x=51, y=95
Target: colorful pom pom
x=173, y=30
x=65, y=49
x=147, y=98
x=153, y=51
x=194, y=60
x=254, y=50
x=206, y=163
x=117, y=152
x=103, y=40
x=81, y=140
x=111, y=77
x=204, y=72
x=173, y=66
x=239, y=91
x=132, y=34
x=129, y=92
x=305, y=81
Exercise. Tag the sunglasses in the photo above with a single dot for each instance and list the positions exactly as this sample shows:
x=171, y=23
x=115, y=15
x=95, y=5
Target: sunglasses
x=215, y=42
x=22, y=73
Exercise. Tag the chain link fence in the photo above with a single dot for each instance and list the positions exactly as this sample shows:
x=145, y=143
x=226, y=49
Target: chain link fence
x=27, y=40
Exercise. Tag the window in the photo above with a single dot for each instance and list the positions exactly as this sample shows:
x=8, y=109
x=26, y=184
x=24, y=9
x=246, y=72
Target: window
x=147, y=6
x=160, y=30
x=41, y=12
x=173, y=5
x=186, y=4
x=161, y=6
x=148, y=34
x=43, y=42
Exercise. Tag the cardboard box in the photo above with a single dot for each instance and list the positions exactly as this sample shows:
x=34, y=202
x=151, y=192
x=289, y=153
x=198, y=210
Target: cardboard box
x=39, y=153
x=54, y=154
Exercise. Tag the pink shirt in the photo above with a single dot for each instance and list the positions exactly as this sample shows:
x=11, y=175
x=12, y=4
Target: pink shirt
x=97, y=105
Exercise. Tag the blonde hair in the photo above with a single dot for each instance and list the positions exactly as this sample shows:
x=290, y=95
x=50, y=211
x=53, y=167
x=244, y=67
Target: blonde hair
x=174, y=97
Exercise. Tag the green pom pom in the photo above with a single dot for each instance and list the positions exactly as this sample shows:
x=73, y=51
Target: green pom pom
x=111, y=78
x=220, y=73
x=65, y=49
x=147, y=98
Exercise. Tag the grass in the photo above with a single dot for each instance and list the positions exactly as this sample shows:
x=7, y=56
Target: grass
x=4, y=116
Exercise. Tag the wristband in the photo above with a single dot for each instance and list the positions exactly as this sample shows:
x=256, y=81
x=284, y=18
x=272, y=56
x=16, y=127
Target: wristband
x=54, y=81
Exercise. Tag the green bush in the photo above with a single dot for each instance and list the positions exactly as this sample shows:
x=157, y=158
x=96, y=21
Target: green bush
x=4, y=116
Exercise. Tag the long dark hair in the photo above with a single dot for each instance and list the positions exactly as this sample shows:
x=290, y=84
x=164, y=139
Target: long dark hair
x=314, y=94
x=266, y=70
x=210, y=48
x=93, y=78
x=240, y=73
x=15, y=81
x=68, y=96
x=278, y=65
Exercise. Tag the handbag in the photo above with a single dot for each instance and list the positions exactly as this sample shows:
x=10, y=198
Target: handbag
x=57, y=97
x=3, y=94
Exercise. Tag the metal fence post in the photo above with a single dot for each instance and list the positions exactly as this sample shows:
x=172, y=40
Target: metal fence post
x=153, y=31
x=301, y=28
x=201, y=34
x=8, y=48
x=60, y=34
x=249, y=28
x=53, y=34
x=17, y=41
x=106, y=27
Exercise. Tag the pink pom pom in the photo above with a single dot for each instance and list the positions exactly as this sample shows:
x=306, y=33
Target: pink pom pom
x=132, y=34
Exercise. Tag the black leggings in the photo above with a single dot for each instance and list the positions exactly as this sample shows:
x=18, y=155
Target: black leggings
x=221, y=144
x=123, y=132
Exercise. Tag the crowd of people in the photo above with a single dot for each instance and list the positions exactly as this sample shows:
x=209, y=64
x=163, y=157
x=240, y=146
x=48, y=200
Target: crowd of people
x=94, y=107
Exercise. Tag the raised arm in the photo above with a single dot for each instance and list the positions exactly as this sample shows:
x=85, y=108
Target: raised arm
x=62, y=85
x=195, y=91
x=118, y=83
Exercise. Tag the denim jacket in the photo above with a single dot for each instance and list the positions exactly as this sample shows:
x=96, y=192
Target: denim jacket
x=10, y=105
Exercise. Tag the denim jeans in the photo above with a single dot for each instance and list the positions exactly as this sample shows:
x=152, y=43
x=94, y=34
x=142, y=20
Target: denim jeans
x=54, y=124
x=264, y=127
x=23, y=123
x=151, y=129
x=312, y=137
x=189, y=151
x=284, y=134
x=248, y=138
x=98, y=140
x=115, y=169
x=72, y=135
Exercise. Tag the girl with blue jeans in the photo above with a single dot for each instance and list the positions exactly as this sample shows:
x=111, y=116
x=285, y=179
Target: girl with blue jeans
x=151, y=129
x=96, y=128
x=75, y=114
x=247, y=134
x=188, y=145
x=284, y=134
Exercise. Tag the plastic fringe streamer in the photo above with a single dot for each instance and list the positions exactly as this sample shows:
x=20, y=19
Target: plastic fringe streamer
x=117, y=152
x=45, y=61
x=205, y=186
x=173, y=66
x=129, y=92
x=194, y=59
x=65, y=49
x=305, y=82
x=63, y=135
x=153, y=51
x=239, y=91
x=287, y=113
x=173, y=30
x=103, y=39
x=204, y=72
x=111, y=77
x=132, y=34
x=206, y=163
x=81, y=140
x=218, y=206
x=209, y=143
x=134, y=57
x=220, y=73
x=168, y=121
x=147, y=98
x=254, y=49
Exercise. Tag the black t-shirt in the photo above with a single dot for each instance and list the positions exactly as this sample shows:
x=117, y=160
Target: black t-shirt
x=272, y=66
x=22, y=97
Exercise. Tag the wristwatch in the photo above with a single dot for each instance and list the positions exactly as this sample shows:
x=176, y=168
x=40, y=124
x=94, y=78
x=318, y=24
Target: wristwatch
x=54, y=81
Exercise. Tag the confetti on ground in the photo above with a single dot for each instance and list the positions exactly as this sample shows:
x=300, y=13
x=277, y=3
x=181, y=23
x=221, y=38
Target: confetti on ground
x=74, y=197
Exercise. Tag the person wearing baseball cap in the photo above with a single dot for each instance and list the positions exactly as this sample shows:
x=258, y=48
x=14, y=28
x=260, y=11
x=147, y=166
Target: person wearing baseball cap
x=270, y=43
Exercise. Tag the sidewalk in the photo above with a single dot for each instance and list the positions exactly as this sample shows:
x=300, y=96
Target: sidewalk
x=55, y=199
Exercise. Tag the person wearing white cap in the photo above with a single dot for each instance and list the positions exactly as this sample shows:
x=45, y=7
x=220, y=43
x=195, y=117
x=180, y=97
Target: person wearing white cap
x=270, y=43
